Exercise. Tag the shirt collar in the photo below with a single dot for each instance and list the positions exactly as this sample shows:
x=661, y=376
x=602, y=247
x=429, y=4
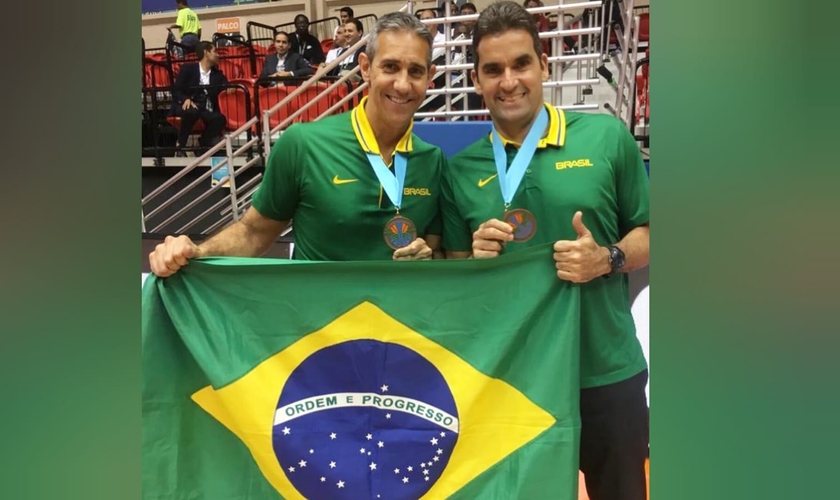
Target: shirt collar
x=364, y=132
x=556, y=135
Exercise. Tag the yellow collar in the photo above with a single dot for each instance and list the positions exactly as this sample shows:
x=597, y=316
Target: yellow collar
x=364, y=132
x=556, y=135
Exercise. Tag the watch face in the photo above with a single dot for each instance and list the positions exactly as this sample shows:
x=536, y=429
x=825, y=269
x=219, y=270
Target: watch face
x=616, y=258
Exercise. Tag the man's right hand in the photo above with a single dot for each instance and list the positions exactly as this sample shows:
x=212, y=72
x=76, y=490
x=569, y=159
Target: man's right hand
x=490, y=238
x=172, y=254
x=188, y=104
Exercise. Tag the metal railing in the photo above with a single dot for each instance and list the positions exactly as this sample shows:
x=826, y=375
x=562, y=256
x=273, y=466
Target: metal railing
x=585, y=28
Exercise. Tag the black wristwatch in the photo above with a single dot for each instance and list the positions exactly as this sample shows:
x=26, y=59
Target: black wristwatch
x=616, y=259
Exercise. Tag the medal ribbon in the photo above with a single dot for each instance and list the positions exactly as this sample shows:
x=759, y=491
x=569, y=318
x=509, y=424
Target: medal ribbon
x=392, y=183
x=509, y=180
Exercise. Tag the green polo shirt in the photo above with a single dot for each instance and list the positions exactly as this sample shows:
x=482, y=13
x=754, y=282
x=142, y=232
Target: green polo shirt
x=318, y=174
x=586, y=162
x=187, y=22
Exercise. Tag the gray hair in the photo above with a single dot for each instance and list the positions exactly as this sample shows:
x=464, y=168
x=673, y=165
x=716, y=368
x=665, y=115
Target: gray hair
x=396, y=22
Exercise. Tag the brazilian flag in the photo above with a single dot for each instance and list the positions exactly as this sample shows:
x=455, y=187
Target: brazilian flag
x=270, y=379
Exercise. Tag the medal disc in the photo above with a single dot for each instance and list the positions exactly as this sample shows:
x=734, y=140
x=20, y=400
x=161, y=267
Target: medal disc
x=524, y=224
x=399, y=232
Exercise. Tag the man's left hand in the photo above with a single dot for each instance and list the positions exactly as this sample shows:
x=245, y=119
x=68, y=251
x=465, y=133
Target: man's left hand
x=416, y=250
x=581, y=260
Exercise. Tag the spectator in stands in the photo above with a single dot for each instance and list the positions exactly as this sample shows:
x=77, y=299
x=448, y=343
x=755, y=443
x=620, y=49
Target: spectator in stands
x=454, y=11
x=304, y=43
x=542, y=24
x=353, y=32
x=331, y=159
x=473, y=100
x=284, y=63
x=188, y=25
x=193, y=103
x=339, y=44
x=344, y=15
x=438, y=58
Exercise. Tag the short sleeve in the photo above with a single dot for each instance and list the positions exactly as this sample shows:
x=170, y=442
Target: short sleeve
x=632, y=186
x=279, y=193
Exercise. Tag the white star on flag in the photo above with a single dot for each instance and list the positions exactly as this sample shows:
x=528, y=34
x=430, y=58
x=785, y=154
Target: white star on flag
x=443, y=434
x=425, y=472
x=380, y=444
x=286, y=431
x=362, y=450
x=384, y=388
x=311, y=451
x=440, y=452
x=405, y=480
x=369, y=437
x=332, y=465
x=323, y=479
x=426, y=478
x=291, y=469
x=302, y=463
x=410, y=468
x=340, y=484
x=396, y=471
x=436, y=459
x=434, y=441
x=372, y=466
x=368, y=453
x=387, y=415
x=332, y=436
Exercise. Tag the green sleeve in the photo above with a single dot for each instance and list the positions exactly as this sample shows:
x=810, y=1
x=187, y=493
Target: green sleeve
x=632, y=186
x=457, y=236
x=279, y=193
x=436, y=225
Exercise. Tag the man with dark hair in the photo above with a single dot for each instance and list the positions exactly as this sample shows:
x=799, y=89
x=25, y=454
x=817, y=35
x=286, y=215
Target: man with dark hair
x=304, y=43
x=283, y=62
x=353, y=32
x=188, y=25
x=345, y=14
x=192, y=103
x=576, y=180
x=333, y=178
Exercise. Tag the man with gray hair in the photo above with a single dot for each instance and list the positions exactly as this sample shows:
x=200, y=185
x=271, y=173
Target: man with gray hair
x=333, y=177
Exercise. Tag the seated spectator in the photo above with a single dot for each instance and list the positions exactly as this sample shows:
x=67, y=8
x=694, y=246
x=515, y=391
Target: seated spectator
x=304, y=43
x=284, y=63
x=192, y=103
x=542, y=24
x=353, y=32
x=338, y=45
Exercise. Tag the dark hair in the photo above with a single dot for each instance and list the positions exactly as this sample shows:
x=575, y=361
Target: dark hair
x=348, y=11
x=395, y=22
x=539, y=3
x=181, y=2
x=359, y=25
x=301, y=16
x=501, y=17
x=203, y=47
x=282, y=33
x=468, y=5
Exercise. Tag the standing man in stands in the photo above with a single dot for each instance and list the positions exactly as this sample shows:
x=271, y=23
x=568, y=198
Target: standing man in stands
x=577, y=181
x=193, y=104
x=304, y=43
x=188, y=24
x=284, y=63
x=333, y=177
x=344, y=14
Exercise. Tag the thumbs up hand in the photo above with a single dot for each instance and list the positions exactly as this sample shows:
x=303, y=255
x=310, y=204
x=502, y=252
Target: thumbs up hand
x=581, y=260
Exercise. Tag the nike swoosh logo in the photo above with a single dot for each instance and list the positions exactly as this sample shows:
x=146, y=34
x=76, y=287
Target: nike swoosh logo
x=483, y=182
x=336, y=180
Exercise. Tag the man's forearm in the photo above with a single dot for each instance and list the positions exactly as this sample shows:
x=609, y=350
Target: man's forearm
x=242, y=239
x=636, y=248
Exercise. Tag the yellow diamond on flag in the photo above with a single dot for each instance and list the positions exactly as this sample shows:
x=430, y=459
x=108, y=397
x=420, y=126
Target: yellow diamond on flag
x=488, y=420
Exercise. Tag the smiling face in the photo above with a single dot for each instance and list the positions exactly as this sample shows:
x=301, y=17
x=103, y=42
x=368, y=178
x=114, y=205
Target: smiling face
x=398, y=77
x=351, y=33
x=509, y=77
